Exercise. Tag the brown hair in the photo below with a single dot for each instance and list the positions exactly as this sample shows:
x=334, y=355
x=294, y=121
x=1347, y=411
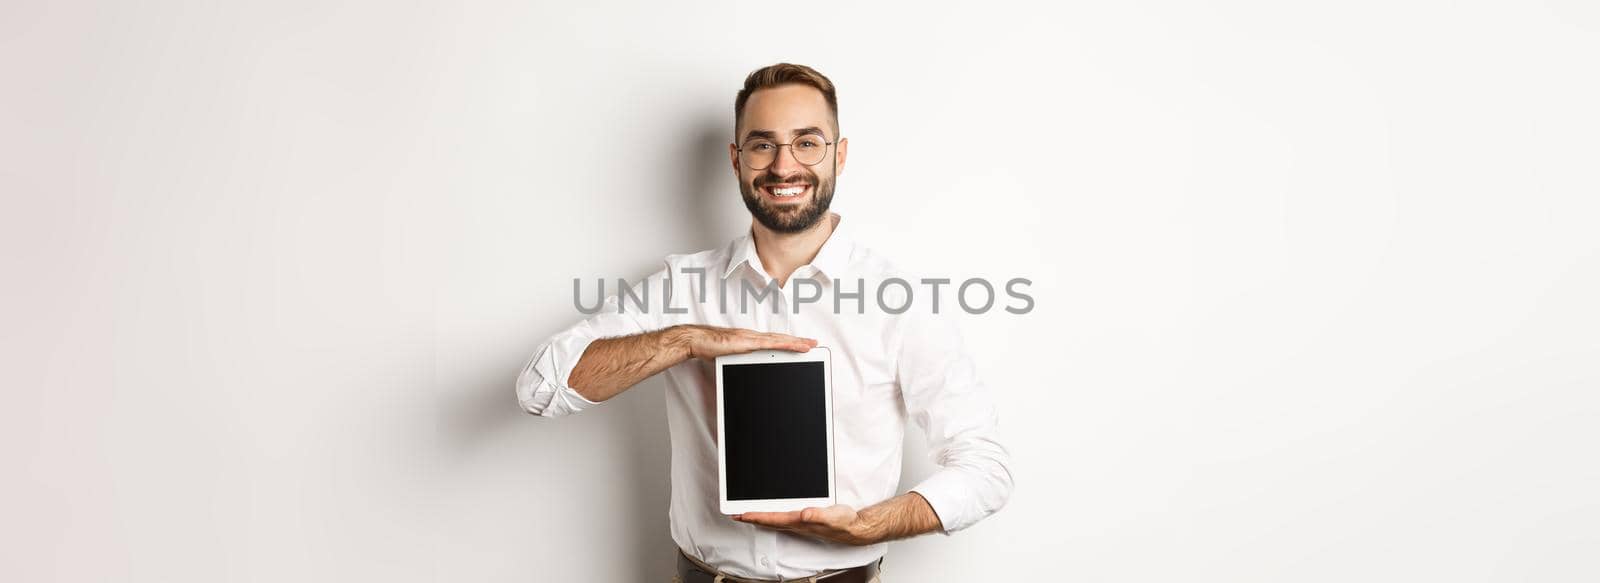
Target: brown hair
x=784, y=74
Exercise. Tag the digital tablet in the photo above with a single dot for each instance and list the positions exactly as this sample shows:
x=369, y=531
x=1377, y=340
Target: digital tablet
x=775, y=430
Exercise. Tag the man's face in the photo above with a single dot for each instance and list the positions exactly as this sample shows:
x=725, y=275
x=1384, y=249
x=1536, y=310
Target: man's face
x=779, y=115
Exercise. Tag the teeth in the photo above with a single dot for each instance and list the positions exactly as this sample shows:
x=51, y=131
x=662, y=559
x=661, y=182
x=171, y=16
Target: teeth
x=792, y=191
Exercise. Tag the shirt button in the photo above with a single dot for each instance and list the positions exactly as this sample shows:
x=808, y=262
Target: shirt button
x=765, y=562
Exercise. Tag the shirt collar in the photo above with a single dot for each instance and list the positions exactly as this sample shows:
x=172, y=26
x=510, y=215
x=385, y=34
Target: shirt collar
x=742, y=251
x=832, y=259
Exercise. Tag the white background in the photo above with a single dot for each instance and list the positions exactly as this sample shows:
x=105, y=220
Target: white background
x=1315, y=284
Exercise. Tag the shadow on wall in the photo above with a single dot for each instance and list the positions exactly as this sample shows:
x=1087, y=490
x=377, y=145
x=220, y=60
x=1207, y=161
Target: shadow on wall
x=703, y=164
x=710, y=190
x=709, y=196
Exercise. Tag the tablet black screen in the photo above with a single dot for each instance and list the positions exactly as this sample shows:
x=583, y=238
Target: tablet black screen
x=775, y=424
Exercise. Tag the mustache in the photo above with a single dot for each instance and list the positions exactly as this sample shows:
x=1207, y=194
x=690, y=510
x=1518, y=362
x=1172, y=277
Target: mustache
x=802, y=178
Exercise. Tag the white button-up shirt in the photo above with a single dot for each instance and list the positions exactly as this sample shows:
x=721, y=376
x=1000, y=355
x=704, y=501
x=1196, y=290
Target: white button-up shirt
x=887, y=368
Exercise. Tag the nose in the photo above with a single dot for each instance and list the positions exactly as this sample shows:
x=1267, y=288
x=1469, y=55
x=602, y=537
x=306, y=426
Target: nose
x=785, y=164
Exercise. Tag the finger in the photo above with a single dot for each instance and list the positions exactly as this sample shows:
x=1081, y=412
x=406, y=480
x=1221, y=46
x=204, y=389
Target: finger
x=791, y=346
x=756, y=341
x=812, y=515
x=768, y=518
x=791, y=343
x=777, y=336
x=774, y=519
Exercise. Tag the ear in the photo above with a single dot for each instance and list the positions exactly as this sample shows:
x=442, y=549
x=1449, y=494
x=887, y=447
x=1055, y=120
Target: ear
x=733, y=158
x=841, y=151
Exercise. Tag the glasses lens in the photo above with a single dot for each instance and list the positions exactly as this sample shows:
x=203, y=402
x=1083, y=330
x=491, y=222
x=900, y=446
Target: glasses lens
x=809, y=149
x=758, y=154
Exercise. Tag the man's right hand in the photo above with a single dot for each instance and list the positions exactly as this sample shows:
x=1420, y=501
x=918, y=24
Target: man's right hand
x=709, y=342
x=611, y=365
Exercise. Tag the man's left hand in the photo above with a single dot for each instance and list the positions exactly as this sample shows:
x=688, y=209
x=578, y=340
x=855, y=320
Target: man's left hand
x=838, y=523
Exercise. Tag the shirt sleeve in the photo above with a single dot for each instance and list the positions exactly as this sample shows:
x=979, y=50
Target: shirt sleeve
x=542, y=387
x=944, y=396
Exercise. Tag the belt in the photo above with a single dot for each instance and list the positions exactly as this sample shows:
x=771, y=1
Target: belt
x=691, y=570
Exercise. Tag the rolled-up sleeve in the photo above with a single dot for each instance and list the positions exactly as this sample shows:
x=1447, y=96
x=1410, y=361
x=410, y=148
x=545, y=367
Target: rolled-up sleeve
x=944, y=396
x=542, y=387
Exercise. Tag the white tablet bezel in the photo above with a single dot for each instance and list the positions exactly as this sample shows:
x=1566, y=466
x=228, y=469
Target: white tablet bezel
x=731, y=507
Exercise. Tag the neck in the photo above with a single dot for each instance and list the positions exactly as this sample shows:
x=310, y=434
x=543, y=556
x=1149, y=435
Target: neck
x=782, y=253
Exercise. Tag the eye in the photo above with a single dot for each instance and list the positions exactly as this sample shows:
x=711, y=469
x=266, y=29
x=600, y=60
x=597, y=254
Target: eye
x=761, y=147
x=809, y=143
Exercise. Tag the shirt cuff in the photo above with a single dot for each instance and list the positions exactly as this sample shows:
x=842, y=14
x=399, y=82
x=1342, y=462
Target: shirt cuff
x=542, y=387
x=948, y=492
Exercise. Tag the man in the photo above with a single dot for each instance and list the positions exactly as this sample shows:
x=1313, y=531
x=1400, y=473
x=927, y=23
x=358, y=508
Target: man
x=892, y=360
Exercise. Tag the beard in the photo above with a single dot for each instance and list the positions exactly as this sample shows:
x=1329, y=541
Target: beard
x=787, y=218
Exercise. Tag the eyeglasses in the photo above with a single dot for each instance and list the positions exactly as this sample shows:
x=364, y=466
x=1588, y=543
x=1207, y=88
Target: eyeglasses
x=759, y=153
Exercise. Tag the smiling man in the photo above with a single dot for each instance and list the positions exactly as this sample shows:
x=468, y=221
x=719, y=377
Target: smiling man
x=890, y=364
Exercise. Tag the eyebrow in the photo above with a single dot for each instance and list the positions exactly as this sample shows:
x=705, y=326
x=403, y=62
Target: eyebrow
x=771, y=135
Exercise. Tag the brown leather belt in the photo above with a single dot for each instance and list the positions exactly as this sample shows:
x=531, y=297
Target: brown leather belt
x=691, y=570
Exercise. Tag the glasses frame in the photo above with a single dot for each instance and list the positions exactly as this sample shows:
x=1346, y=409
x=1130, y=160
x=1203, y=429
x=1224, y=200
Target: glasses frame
x=825, y=143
